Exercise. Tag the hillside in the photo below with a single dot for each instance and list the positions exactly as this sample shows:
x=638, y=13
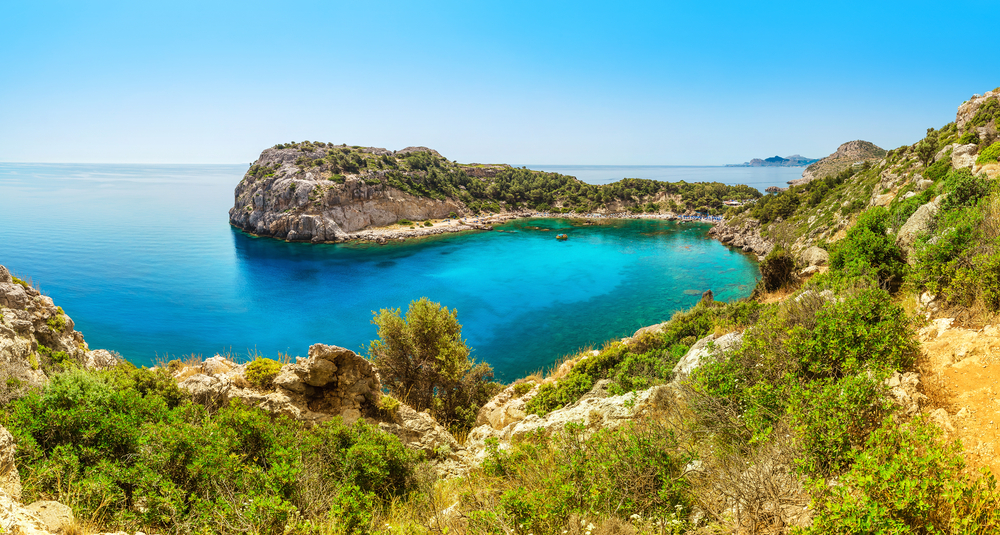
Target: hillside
x=846, y=155
x=319, y=192
x=854, y=392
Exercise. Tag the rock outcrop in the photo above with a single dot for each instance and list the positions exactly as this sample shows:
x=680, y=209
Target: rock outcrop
x=305, y=194
x=744, y=235
x=331, y=382
x=709, y=345
x=34, y=331
x=964, y=156
x=918, y=224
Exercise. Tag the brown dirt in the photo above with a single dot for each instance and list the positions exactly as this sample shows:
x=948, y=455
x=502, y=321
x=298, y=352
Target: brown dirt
x=961, y=376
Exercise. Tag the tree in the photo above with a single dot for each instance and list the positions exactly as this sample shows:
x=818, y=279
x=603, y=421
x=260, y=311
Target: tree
x=927, y=147
x=424, y=362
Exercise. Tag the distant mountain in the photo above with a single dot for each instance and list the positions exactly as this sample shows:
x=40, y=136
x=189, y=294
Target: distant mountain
x=777, y=161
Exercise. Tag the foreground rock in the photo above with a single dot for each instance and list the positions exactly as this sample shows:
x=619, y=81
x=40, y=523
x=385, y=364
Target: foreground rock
x=35, y=332
x=331, y=382
x=39, y=518
x=919, y=224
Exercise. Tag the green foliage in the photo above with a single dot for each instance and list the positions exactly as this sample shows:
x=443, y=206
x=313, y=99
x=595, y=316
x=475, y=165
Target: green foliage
x=989, y=154
x=539, y=482
x=988, y=112
x=937, y=170
x=817, y=351
x=404, y=222
x=646, y=361
x=964, y=189
x=971, y=136
x=126, y=445
x=777, y=270
x=868, y=245
x=262, y=371
x=423, y=360
x=927, y=147
x=905, y=480
x=56, y=323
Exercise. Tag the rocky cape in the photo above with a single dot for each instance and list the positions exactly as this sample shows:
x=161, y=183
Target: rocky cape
x=794, y=160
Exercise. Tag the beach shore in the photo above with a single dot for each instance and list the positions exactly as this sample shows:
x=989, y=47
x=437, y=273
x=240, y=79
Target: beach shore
x=418, y=229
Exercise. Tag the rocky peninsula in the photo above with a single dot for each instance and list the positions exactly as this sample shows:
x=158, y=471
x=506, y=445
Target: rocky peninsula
x=322, y=193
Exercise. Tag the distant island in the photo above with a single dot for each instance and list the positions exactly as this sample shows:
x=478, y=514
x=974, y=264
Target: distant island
x=777, y=161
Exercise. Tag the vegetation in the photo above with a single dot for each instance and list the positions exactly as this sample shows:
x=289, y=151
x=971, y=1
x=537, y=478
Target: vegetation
x=424, y=362
x=128, y=447
x=261, y=372
x=426, y=174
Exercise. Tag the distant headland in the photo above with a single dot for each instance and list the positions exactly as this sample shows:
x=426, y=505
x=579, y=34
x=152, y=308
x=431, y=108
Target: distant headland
x=777, y=161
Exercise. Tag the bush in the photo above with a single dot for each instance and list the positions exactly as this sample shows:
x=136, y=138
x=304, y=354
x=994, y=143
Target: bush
x=125, y=446
x=867, y=245
x=777, y=270
x=537, y=484
x=261, y=372
x=56, y=323
x=423, y=361
x=906, y=480
x=989, y=154
x=964, y=189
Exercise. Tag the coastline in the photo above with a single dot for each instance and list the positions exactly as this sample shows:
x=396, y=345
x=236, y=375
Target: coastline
x=399, y=233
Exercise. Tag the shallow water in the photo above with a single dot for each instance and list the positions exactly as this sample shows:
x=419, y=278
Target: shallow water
x=144, y=261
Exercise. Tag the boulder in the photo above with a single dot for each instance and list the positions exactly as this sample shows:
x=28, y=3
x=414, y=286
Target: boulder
x=505, y=408
x=964, y=156
x=904, y=387
x=815, y=256
x=708, y=345
x=918, y=224
x=99, y=359
x=58, y=518
x=420, y=431
x=10, y=481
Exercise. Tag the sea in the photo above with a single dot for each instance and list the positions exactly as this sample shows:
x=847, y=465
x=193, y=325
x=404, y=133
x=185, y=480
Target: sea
x=142, y=257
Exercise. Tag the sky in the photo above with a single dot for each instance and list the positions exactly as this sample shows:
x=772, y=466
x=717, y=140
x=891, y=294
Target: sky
x=570, y=83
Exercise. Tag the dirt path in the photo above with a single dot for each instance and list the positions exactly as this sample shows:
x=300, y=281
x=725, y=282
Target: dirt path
x=961, y=375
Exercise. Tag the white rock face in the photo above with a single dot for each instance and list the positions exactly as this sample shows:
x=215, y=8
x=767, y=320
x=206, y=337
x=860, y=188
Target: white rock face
x=592, y=412
x=55, y=516
x=709, y=345
x=505, y=408
x=918, y=224
x=815, y=256
x=964, y=156
x=332, y=381
x=10, y=481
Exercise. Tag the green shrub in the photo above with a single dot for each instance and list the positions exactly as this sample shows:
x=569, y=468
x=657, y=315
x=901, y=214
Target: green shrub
x=989, y=154
x=538, y=483
x=777, y=270
x=971, y=136
x=56, y=323
x=937, y=170
x=404, y=222
x=964, y=189
x=125, y=445
x=262, y=371
x=422, y=359
x=867, y=245
x=906, y=481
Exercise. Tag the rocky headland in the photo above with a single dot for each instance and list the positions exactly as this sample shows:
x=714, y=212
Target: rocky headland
x=323, y=193
x=794, y=160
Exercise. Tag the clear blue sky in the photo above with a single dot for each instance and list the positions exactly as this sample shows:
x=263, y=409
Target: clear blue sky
x=523, y=82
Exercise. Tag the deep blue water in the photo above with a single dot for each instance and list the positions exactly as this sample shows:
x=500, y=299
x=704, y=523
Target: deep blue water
x=143, y=259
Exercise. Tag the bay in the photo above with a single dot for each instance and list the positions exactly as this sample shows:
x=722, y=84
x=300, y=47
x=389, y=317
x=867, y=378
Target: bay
x=143, y=259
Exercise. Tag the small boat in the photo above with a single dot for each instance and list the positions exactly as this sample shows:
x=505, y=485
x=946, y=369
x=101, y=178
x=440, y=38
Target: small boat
x=562, y=237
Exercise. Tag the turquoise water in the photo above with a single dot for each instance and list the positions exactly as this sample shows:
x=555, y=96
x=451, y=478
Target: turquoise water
x=144, y=261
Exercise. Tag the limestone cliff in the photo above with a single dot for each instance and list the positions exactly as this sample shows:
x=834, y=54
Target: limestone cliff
x=321, y=193
x=36, y=334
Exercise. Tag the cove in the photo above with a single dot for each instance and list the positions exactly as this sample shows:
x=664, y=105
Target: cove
x=143, y=260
